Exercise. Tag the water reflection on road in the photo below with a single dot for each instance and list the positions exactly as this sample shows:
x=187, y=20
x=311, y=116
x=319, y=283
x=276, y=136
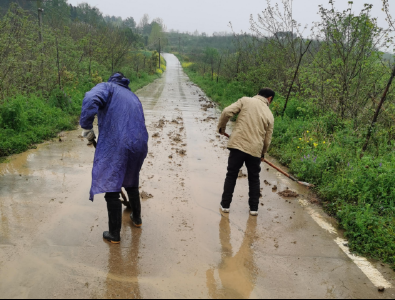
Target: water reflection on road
x=123, y=264
x=237, y=272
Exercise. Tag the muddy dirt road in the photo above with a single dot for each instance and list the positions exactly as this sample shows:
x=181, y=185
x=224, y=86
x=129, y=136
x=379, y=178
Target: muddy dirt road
x=51, y=235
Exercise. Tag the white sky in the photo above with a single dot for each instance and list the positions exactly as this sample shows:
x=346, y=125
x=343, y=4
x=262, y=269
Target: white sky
x=214, y=15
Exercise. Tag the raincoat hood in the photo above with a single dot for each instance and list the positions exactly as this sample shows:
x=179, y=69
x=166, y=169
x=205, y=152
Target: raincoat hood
x=120, y=80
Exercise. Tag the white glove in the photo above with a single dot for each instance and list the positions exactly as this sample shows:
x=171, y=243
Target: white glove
x=89, y=134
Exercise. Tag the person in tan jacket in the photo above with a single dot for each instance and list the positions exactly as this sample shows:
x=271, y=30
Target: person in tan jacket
x=248, y=144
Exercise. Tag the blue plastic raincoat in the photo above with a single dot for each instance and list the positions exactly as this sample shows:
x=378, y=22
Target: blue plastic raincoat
x=123, y=141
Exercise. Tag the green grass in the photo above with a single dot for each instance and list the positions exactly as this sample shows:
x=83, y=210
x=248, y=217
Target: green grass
x=27, y=120
x=325, y=151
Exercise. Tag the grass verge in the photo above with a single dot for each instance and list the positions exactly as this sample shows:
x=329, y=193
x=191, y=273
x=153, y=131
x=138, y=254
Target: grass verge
x=26, y=120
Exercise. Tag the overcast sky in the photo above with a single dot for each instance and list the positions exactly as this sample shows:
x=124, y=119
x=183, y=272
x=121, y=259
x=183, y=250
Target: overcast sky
x=214, y=15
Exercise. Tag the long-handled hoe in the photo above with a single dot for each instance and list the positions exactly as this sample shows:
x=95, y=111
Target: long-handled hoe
x=282, y=172
x=124, y=198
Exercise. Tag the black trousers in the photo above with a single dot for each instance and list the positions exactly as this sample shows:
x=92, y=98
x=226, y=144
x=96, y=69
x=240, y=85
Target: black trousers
x=236, y=160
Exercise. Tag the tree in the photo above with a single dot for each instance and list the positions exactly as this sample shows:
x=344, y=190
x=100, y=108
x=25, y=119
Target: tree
x=283, y=33
x=391, y=23
x=144, y=25
x=210, y=57
x=156, y=34
x=130, y=23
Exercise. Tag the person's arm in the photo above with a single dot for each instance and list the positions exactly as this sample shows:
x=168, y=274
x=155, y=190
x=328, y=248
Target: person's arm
x=268, y=139
x=228, y=113
x=94, y=100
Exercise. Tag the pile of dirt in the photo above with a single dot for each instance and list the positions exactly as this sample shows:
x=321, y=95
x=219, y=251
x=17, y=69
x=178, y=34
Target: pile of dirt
x=155, y=135
x=161, y=123
x=210, y=105
x=177, y=139
x=182, y=152
x=209, y=118
x=288, y=194
x=241, y=174
x=174, y=122
x=145, y=195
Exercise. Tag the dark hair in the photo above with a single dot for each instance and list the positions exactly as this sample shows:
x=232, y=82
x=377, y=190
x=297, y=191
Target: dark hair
x=120, y=73
x=266, y=92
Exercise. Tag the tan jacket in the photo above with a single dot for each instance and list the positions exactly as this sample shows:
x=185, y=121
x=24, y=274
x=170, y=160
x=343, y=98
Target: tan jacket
x=254, y=127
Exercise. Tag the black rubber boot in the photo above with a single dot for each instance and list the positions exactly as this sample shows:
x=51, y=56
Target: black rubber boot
x=134, y=199
x=114, y=207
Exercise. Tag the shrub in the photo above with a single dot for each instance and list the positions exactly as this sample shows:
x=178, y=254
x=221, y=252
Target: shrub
x=13, y=115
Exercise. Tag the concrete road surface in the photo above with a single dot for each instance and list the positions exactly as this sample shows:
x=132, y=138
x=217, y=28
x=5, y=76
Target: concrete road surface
x=51, y=242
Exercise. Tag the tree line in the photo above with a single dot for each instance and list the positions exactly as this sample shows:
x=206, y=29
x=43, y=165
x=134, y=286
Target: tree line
x=71, y=42
x=341, y=66
x=51, y=54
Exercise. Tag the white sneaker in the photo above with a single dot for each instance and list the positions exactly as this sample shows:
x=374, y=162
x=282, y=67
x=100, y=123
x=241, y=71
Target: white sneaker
x=225, y=210
x=253, y=213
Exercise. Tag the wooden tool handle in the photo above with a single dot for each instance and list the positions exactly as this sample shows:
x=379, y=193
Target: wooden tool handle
x=278, y=169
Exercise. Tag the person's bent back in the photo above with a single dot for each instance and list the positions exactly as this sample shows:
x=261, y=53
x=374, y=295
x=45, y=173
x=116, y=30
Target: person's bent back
x=121, y=148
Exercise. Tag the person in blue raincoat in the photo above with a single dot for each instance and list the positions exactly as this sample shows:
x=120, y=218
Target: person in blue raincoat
x=121, y=148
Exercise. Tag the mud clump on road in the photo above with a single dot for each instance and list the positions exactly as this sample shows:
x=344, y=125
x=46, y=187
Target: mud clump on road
x=241, y=174
x=288, y=194
x=314, y=200
x=209, y=118
x=177, y=139
x=182, y=152
x=175, y=122
x=145, y=195
x=205, y=107
x=155, y=135
x=161, y=123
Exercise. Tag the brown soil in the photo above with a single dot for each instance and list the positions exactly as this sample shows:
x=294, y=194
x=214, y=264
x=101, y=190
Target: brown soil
x=288, y=194
x=209, y=119
x=145, y=195
x=161, y=123
x=177, y=139
x=241, y=174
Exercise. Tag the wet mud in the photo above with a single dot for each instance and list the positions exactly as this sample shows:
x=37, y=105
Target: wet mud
x=51, y=242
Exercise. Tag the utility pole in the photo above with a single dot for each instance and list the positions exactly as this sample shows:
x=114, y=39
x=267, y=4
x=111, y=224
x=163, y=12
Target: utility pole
x=40, y=24
x=179, y=44
x=40, y=19
x=159, y=53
